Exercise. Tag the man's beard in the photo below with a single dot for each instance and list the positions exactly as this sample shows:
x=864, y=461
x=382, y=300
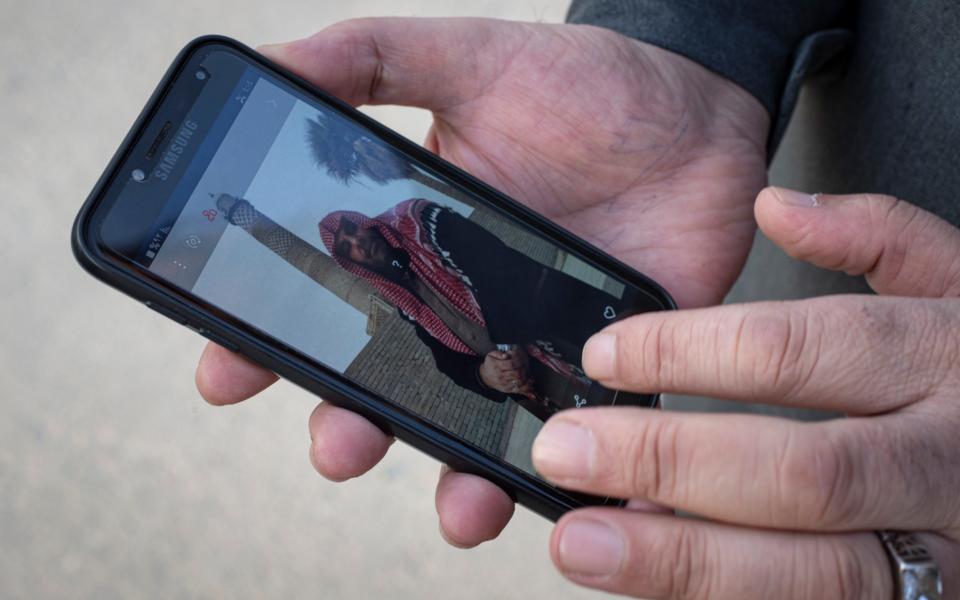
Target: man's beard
x=396, y=265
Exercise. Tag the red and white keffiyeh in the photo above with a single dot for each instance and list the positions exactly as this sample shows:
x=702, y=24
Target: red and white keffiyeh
x=409, y=226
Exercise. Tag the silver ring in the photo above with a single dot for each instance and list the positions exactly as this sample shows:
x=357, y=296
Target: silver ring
x=916, y=576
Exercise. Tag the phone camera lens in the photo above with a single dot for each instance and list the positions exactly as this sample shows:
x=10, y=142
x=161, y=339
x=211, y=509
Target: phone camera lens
x=138, y=175
x=201, y=74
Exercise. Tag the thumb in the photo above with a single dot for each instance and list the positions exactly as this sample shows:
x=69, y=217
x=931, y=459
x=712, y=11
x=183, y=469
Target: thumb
x=903, y=250
x=428, y=63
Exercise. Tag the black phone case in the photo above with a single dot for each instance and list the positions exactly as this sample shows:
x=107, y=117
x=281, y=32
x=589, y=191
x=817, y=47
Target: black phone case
x=520, y=486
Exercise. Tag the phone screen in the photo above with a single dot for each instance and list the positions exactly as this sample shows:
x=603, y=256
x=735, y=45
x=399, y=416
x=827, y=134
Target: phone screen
x=281, y=211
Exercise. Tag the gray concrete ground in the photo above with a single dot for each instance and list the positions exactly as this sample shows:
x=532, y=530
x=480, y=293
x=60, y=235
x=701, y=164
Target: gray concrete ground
x=116, y=480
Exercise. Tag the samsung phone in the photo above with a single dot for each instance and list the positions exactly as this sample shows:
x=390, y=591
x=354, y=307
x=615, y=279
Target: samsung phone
x=285, y=225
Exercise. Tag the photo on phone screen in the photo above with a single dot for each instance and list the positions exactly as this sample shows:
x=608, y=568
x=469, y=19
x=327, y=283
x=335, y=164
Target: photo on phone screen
x=302, y=223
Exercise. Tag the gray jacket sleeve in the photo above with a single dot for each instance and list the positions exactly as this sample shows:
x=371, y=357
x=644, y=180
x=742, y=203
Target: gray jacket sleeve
x=751, y=42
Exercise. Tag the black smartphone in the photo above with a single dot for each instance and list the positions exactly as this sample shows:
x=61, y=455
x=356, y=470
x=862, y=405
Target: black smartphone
x=285, y=225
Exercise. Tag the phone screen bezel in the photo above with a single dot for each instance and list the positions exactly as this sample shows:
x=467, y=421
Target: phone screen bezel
x=291, y=364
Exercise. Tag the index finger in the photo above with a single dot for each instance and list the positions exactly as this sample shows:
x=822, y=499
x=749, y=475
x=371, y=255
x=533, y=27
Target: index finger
x=428, y=63
x=756, y=470
x=857, y=354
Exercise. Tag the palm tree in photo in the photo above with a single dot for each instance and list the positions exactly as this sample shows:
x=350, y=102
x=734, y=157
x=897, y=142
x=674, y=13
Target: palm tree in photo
x=347, y=153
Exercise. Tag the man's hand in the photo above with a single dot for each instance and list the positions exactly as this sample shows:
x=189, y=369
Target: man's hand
x=640, y=151
x=506, y=372
x=791, y=505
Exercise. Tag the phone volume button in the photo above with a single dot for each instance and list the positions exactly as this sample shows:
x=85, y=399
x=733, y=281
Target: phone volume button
x=166, y=312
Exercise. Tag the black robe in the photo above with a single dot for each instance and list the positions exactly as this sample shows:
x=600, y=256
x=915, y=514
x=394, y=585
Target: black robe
x=523, y=302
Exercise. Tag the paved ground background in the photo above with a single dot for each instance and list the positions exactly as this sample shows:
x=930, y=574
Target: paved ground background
x=116, y=480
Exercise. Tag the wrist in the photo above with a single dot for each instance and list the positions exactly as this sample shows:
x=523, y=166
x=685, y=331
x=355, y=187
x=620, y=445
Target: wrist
x=729, y=112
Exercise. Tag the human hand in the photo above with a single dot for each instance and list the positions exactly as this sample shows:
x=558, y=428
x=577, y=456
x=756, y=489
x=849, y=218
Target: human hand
x=506, y=372
x=791, y=506
x=640, y=151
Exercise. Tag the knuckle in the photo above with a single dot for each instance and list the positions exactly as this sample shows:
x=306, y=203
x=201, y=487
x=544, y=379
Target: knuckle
x=821, y=483
x=951, y=286
x=899, y=216
x=652, y=461
x=772, y=349
x=919, y=333
x=805, y=244
x=843, y=561
x=349, y=30
x=358, y=39
x=923, y=462
x=897, y=222
x=942, y=347
x=644, y=356
x=879, y=207
x=343, y=34
x=687, y=572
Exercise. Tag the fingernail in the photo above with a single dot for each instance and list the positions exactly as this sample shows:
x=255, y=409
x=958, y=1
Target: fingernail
x=792, y=198
x=563, y=450
x=590, y=547
x=599, y=354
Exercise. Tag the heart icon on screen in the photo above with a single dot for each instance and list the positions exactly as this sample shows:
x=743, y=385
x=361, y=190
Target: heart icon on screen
x=609, y=313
